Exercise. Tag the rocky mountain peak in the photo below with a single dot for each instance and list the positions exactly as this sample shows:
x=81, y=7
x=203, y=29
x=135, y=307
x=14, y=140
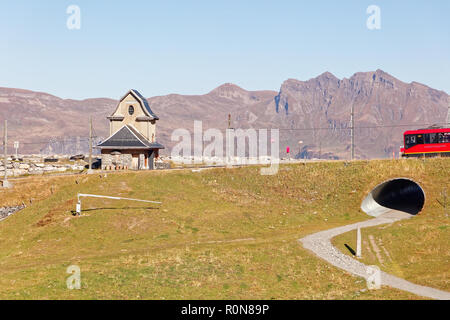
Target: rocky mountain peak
x=317, y=111
x=228, y=89
x=326, y=76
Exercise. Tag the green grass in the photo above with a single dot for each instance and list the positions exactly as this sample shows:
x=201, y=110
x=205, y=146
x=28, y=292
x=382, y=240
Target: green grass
x=219, y=234
x=416, y=250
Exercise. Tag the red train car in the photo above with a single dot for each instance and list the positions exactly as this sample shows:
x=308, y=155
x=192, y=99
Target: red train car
x=426, y=142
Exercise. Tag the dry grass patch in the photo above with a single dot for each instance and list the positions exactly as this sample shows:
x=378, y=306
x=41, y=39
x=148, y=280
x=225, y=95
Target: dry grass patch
x=220, y=234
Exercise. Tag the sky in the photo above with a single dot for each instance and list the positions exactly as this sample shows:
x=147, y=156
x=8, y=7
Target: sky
x=191, y=47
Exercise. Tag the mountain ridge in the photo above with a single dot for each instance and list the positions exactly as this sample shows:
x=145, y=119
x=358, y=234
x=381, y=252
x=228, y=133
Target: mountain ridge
x=379, y=99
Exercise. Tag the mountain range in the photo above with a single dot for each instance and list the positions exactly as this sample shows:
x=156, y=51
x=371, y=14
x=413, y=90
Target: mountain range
x=313, y=116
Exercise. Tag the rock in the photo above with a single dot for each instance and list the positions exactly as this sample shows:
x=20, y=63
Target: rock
x=19, y=172
x=25, y=166
x=7, y=211
x=6, y=184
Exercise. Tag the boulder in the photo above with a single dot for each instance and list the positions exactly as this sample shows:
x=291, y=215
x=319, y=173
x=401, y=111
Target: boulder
x=24, y=166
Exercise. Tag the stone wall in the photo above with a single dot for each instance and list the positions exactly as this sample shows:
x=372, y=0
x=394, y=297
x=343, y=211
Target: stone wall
x=24, y=168
x=122, y=161
x=159, y=165
x=36, y=165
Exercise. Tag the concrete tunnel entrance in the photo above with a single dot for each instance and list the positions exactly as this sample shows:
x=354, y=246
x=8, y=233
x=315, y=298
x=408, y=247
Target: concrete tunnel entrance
x=399, y=194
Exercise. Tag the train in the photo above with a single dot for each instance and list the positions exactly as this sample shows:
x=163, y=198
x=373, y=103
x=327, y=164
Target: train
x=430, y=142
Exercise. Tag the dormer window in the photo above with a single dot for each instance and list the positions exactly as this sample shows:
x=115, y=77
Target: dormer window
x=130, y=110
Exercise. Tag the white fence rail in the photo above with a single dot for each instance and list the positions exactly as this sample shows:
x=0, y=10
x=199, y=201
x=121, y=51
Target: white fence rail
x=80, y=195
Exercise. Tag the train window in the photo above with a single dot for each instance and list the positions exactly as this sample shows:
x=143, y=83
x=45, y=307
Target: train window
x=427, y=138
x=433, y=138
x=419, y=139
x=444, y=137
x=410, y=140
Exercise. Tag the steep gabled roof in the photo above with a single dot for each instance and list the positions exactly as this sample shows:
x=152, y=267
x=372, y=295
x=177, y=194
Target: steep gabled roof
x=128, y=137
x=144, y=103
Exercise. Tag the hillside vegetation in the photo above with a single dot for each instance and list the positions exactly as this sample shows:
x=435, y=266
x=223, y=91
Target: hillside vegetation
x=219, y=234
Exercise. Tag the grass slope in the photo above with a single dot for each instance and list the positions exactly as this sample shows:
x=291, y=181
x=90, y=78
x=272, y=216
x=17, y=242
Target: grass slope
x=220, y=234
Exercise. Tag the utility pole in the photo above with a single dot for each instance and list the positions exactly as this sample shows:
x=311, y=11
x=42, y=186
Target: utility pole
x=228, y=152
x=5, y=149
x=352, y=132
x=448, y=114
x=320, y=149
x=6, y=183
x=90, y=145
x=78, y=145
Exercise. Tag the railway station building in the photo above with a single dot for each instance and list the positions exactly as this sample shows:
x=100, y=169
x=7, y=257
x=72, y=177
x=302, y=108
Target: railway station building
x=132, y=138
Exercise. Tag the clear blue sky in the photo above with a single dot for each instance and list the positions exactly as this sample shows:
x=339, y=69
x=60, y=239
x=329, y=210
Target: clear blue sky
x=191, y=47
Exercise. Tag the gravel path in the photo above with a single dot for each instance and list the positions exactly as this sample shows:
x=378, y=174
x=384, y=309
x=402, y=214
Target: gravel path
x=7, y=211
x=320, y=244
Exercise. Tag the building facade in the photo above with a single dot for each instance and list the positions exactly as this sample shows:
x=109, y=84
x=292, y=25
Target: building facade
x=132, y=141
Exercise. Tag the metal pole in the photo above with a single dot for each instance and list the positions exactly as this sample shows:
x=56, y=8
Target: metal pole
x=78, y=145
x=352, y=132
x=320, y=149
x=5, y=148
x=229, y=153
x=90, y=145
x=114, y=198
x=448, y=113
x=358, y=243
x=78, y=206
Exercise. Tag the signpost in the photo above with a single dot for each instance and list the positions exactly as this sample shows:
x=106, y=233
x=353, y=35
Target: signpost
x=16, y=146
